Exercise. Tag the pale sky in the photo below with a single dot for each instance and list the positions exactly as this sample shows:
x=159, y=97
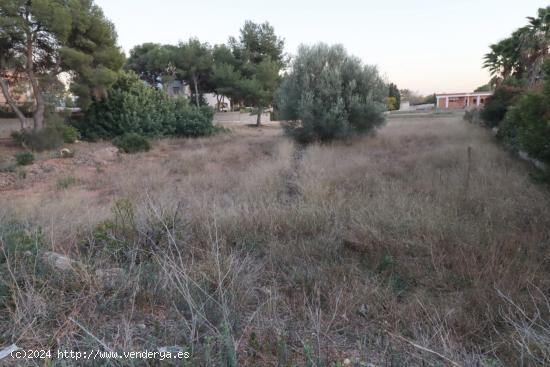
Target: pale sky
x=423, y=45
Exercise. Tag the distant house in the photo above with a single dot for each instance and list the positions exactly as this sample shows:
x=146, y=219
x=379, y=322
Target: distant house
x=177, y=88
x=461, y=100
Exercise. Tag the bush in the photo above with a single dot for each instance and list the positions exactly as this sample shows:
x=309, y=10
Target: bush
x=526, y=125
x=391, y=103
x=497, y=105
x=134, y=107
x=69, y=133
x=24, y=158
x=132, y=143
x=18, y=137
x=342, y=99
x=192, y=121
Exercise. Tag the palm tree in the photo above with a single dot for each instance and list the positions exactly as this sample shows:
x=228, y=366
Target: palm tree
x=523, y=53
x=535, y=45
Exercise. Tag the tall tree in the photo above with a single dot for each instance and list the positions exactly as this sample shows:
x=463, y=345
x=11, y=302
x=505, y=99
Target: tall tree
x=261, y=58
x=226, y=76
x=523, y=53
x=194, y=62
x=152, y=62
x=43, y=38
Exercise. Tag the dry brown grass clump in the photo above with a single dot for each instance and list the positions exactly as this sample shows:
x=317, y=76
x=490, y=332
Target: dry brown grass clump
x=424, y=244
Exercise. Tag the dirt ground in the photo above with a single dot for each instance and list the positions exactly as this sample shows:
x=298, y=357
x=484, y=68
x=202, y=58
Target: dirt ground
x=94, y=174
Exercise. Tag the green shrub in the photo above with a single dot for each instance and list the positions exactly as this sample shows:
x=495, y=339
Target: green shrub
x=69, y=133
x=391, y=103
x=18, y=137
x=134, y=107
x=527, y=124
x=497, y=105
x=18, y=238
x=192, y=121
x=24, y=158
x=132, y=143
x=343, y=98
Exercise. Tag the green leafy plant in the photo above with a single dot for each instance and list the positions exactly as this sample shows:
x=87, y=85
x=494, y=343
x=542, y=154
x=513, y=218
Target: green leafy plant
x=526, y=125
x=192, y=121
x=134, y=107
x=343, y=99
x=69, y=133
x=497, y=105
x=24, y=158
x=132, y=143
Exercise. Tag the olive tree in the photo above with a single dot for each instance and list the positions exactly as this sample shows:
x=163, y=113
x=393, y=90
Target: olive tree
x=329, y=94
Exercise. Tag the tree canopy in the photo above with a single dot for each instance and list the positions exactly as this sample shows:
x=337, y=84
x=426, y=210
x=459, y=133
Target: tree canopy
x=523, y=53
x=329, y=94
x=151, y=62
x=193, y=61
x=259, y=55
x=247, y=69
x=43, y=38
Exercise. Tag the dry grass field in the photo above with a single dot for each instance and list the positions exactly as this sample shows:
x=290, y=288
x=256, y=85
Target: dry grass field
x=425, y=245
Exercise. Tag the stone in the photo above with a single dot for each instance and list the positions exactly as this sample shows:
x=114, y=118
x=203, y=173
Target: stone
x=58, y=261
x=66, y=153
x=105, y=155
